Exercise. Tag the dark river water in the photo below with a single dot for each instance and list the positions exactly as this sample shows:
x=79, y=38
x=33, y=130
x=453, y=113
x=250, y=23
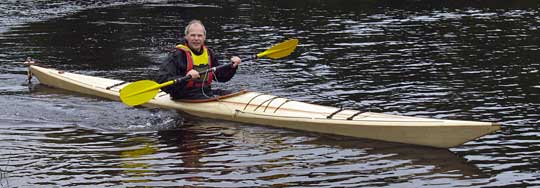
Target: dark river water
x=466, y=60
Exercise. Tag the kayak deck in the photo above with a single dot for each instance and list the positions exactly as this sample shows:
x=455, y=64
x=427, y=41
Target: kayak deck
x=264, y=109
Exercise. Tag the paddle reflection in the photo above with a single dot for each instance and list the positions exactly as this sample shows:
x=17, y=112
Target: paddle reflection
x=134, y=165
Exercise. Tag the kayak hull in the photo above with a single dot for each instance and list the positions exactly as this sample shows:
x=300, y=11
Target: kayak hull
x=263, y=109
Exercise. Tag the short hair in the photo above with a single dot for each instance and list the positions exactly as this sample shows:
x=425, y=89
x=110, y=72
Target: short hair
x=194, y=22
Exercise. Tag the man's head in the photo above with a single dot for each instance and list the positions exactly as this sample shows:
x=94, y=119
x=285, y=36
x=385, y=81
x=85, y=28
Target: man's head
x=195, y=34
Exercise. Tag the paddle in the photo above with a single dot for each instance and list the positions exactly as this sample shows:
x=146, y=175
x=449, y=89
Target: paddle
x=142, y=91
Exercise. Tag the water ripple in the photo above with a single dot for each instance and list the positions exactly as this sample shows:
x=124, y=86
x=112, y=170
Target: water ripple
x=445, y=60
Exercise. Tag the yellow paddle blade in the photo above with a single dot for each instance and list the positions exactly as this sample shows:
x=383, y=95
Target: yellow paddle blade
x=139, y=92
x=280, y=50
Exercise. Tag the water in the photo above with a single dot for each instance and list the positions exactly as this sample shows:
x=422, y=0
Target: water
x=453, y=60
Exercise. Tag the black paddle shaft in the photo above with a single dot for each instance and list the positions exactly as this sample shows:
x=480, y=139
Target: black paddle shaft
x=187, y=77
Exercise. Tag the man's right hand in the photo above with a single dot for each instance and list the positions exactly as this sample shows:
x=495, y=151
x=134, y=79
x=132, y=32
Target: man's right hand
x=194, y=74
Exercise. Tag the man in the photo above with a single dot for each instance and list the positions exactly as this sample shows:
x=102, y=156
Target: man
x=192, y=58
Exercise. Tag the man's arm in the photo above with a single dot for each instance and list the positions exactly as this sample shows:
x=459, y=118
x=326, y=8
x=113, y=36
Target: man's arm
x=226, y=73
x=174, y=66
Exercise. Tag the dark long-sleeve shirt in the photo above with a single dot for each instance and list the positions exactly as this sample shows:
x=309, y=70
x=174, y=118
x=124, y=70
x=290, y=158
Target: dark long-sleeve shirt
x=175, y=66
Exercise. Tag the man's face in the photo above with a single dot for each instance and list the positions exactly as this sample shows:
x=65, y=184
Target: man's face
x=195, y=37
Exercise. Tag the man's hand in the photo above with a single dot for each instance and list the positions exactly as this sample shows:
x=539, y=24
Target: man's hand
x=236, y=61
x=194, y=74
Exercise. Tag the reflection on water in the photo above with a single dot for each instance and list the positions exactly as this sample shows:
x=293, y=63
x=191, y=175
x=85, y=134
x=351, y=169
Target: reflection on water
x=455, y=60
x=134, y=163
x=214, y=154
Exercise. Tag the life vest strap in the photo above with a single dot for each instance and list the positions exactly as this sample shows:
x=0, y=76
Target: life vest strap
x=190, y=65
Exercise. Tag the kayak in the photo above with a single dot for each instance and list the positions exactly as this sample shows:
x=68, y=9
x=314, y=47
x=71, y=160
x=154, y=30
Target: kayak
x=269, y=110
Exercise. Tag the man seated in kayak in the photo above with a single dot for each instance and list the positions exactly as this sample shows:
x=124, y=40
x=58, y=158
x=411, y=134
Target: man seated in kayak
x=192, y=58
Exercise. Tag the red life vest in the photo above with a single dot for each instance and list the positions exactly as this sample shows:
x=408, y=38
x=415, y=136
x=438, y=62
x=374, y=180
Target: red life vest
x=200, y=63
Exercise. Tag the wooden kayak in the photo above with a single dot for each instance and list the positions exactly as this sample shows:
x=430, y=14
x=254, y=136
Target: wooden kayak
x=263, y=109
